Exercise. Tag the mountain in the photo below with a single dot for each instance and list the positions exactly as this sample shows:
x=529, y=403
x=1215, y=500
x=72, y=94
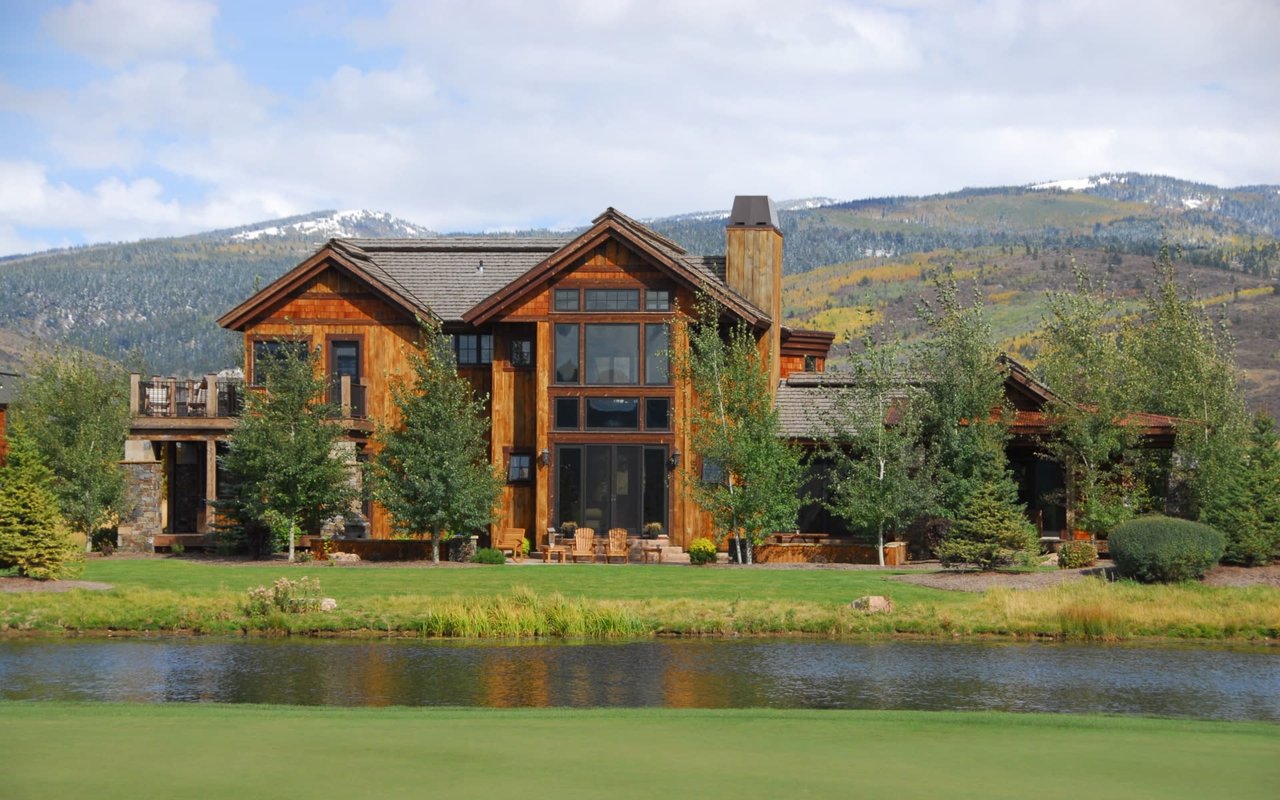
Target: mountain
x=848, y=262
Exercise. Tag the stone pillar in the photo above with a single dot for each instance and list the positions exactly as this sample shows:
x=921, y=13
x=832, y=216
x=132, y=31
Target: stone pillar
x=144, y=493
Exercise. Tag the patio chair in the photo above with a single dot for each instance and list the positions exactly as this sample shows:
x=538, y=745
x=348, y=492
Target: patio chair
x=584, y=545
x=511, y=540
x=617, y=547
x=158, y=400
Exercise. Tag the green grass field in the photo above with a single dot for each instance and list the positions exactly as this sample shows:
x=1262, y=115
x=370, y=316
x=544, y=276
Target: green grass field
x=130, y=751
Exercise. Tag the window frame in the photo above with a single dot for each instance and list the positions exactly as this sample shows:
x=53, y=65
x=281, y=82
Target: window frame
x=519, y=474
x=255, y=341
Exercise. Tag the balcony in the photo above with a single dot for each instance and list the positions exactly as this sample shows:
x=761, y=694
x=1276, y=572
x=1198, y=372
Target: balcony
x=221, y=398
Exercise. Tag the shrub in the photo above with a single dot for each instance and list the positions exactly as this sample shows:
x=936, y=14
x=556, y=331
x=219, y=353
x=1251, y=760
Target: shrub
x=702, y=551
x=290, y=597
x=990, y=531
x=1160, y=549
x=177, y=548
x=487, y=555
x=33, y=534
x=1076, y=555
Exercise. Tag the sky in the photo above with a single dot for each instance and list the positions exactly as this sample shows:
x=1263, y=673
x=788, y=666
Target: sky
x=128, y=119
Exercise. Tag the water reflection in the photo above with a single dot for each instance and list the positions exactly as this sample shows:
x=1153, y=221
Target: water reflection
x=1171, y=681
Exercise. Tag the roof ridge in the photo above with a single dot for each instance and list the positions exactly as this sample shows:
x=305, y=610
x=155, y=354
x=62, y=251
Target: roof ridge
x=640, y=228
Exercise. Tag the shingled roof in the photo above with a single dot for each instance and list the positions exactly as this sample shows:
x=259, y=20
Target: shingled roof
x=449, y=275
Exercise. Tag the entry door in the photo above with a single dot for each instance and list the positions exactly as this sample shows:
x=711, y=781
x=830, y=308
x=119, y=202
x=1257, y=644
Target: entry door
x=612, y=486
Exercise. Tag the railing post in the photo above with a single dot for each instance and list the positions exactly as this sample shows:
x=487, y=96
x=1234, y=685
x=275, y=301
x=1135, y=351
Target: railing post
x=173, y=397
x=135, y=394
x=346, y=396
x=211, y=395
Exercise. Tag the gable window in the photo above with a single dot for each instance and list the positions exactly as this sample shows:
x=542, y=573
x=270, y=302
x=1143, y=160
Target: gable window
x=657, y=300
x=612, y=353
x=519, y=467
x=566, y=354
x=266, y=351
x=566, y=300
x=613, y=299
x=521, y=353
x=472, y=349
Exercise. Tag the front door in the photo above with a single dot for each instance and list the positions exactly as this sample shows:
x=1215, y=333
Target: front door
x=604, y=486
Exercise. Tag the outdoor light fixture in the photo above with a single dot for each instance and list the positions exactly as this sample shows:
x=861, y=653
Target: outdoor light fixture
x=674, y=461
x=544, y=458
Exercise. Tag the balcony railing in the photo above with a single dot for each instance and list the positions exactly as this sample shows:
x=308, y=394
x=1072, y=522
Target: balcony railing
x=215, y=396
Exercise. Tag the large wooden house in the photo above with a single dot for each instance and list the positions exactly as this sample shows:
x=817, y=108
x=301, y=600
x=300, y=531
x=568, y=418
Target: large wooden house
x=568, y=338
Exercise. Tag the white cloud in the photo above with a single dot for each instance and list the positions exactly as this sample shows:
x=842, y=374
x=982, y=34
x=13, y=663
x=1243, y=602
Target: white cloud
x=118, y=32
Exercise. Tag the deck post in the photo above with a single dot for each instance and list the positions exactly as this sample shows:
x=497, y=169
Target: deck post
x=135, y=393
x=210, y=483
x=211, y=395
x=346, y=396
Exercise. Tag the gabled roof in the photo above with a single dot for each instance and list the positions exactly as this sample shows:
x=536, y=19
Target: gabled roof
x=697, y=271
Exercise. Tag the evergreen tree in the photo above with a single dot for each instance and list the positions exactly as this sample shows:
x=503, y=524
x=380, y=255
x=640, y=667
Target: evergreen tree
x=74, y=409
x=990, y=531
x=1246, y=507
x=733, y=424
x=432, y=471
x=33, y=535
x=882, y=478
x=281, y=463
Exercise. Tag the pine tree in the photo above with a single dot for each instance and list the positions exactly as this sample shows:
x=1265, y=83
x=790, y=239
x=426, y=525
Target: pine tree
x=1246, y=507
x=432, y=471
x=33, y=535
x=990, y=531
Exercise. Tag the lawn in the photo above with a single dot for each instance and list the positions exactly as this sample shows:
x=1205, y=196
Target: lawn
x=130, y=751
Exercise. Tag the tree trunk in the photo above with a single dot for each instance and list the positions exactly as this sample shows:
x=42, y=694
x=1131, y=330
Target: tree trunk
x=880, y=543
x=435, y=547
x=292, y=528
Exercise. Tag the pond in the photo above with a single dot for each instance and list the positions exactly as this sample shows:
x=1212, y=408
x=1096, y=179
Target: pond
x=1217, y=683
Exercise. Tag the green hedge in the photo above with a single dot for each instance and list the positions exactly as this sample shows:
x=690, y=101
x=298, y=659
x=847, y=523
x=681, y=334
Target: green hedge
x=1165, y=550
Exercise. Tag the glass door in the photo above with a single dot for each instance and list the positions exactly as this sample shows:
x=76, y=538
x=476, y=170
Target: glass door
x=611, y=486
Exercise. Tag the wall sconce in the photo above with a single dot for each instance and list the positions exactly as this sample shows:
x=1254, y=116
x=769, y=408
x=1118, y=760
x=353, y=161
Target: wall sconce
x=674, y=461
x=544, y=458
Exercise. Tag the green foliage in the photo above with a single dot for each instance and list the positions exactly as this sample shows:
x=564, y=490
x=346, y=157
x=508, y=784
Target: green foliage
x=1092, y=375
x=990, y=531
x=702, y=551
x=487, y=555
x=964, y=383
x=882, y=477
x=652, y=530
x=1247, y=506
x=733, y=422
x=280, y=462
x=74, y=409
x=1077, y=555
x=284, y=596
x=432, y=472
x=1158, y=549
x=33, y=534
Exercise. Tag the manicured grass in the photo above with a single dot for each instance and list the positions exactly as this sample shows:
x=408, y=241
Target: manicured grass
x=130, y=751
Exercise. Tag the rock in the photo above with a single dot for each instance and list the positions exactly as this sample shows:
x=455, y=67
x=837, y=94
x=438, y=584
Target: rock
x=872, y=604
x=328, y=604
x=1050, y=560
x=340, y=556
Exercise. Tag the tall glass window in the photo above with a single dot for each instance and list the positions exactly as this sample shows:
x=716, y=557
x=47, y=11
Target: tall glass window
x=612, y=353
x=566, y=354
x=657, y=341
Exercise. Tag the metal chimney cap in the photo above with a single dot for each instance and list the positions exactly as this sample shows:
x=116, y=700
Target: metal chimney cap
x=753, y=211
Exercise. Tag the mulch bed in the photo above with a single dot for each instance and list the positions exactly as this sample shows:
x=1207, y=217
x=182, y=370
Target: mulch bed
x=12, y=583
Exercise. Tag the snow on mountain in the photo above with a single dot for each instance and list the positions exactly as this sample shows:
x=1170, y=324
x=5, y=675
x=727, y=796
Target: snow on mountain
x=1079, y=184
x=329, y=224
x=801, y=204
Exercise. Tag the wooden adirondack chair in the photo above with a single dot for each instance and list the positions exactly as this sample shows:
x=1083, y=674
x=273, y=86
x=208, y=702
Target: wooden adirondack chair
x=617, y=546
x=584, y=545
x=511, y=540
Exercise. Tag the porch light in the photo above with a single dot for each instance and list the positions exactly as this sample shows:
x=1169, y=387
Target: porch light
x=544, y=458
x=674, y=461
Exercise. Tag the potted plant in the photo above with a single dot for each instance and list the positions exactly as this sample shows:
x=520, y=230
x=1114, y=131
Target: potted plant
x=652, y=530
x=568, y=529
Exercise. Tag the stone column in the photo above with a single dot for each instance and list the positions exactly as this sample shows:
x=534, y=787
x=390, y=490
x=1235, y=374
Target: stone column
x=144, y=491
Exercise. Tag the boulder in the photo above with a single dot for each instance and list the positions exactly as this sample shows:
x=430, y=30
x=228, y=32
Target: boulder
x=328, y=604
x=340, y=556
x=872, y=604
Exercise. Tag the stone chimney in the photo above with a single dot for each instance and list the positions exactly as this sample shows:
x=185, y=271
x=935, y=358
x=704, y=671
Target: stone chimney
x=753, y=267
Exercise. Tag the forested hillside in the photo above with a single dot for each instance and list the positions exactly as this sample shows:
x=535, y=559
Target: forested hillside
x=848, y=263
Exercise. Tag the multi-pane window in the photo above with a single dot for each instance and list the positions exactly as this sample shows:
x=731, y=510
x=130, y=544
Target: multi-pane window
x=612, y=299
x=472, y=349
x=521, y=353
x=810, y=363
x=566, y=354
x=566, y=300
x=266, y=351
x=519, y=467
x=657, y=340
x=657, y=300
